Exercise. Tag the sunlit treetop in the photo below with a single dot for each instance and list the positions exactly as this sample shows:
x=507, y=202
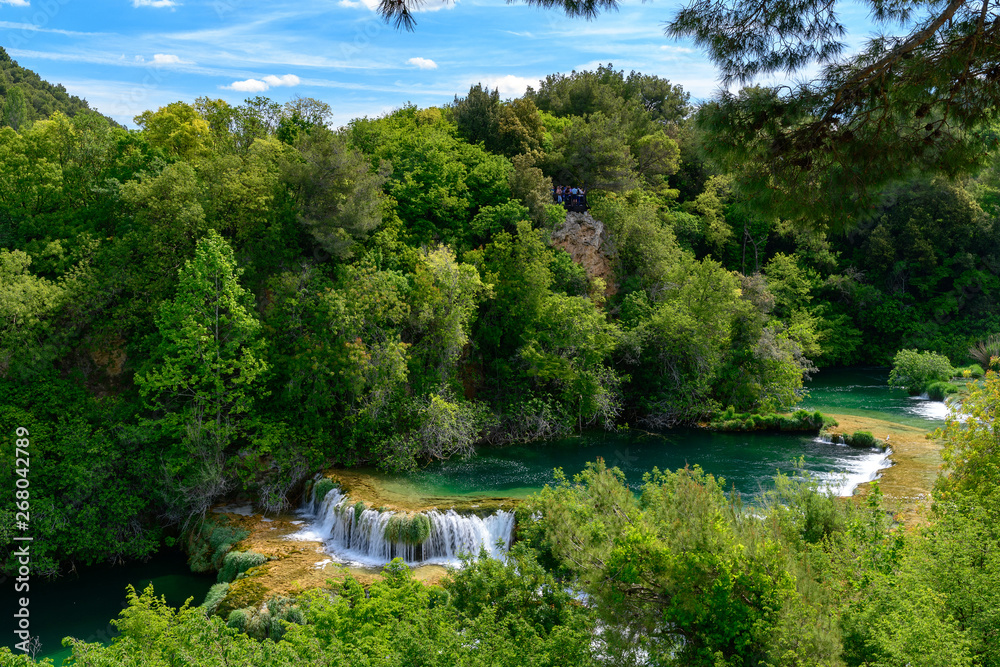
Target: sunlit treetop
x=921, y=94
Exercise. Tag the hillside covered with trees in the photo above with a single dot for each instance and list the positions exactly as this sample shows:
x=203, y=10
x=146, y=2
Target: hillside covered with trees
x=25, y=97
x=230, y=298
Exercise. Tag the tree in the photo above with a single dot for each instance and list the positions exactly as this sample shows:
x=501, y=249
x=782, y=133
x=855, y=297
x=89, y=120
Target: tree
x=339, y=194
x=533, y=189
x=28, y=305
x=923, y=99
x=679, y=571
x=593, y=152
x=208, y=370
x=917, y=370
x=15, y=109
x=177, y=128
x=445, y=305
x=971, y=457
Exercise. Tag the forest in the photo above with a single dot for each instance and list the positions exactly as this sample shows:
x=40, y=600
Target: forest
x=230, y=298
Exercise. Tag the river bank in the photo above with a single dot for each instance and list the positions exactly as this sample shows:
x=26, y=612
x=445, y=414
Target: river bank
x=908, y=484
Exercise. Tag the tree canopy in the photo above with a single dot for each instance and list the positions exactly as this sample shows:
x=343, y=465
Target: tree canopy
x=922, y=93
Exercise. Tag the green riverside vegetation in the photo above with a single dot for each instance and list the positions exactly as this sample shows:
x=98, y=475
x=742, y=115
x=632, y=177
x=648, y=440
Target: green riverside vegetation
x=228, y=299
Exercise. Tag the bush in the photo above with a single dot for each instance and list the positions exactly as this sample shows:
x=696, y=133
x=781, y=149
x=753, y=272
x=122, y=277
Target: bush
x=801, y=420
x=984, y=351
x=861, y=439
x=209, y=543
x=216, y=594
x=974, y=371
x=265, y=621
x=238, y=619
x=915, y=371
x=937, y=391
x=408, y=529
x=238, y=562
x=323, y=487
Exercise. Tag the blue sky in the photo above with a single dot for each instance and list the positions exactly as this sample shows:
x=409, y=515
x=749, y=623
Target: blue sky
x=126, y=56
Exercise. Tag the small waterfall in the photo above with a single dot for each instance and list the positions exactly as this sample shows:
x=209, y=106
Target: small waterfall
x=856, y=470
x=358, y=534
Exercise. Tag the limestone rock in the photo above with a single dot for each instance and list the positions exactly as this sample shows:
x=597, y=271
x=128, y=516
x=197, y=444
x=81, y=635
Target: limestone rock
x=586, y=241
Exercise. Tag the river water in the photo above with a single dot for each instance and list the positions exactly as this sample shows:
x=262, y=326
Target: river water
x=82, y=605
x=747, y=461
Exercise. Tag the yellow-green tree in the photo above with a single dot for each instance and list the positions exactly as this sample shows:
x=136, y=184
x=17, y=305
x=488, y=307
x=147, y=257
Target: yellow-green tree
x=177, y=128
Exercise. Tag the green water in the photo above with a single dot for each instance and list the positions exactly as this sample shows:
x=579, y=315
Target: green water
x=747, y=461
x=864, y=392
x=82, y=605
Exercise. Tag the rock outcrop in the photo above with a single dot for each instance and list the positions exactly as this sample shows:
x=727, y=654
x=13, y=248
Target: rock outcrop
x=586, y=241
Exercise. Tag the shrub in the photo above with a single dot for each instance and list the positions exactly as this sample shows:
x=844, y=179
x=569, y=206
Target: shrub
x=359, y=508
x=210, y=541
x=408, y=529
x=216, y=594
x=861, y=439
x=238, y=562
x=323, y=487
x=266, y=621
x=974, y=371
x=801, y=420
x=937, y=391
x=238, y=619
x=984, y=351
x=915, y=371
x=259, y=625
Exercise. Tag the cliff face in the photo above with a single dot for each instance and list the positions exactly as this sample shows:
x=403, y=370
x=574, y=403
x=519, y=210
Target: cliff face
x=588, y=244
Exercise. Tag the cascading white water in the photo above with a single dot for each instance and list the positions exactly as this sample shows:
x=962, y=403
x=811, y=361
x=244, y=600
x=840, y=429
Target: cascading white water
x=360, y=536
x=856, y=470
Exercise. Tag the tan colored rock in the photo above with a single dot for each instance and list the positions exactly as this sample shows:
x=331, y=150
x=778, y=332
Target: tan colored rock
x=586, y=241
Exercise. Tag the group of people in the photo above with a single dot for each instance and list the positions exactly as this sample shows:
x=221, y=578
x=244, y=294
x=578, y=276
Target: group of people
x=570, y=196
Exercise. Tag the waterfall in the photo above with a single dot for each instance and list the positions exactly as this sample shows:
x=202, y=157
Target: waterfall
x=354, y=533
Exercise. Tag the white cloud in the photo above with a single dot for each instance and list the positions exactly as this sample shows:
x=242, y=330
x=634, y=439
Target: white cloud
x=358, y=4
x=286, y=80
x=677, y=49
x=154, y=3
x=509, y=84
x=16, y=3
x=259, y=86
x=166, y=59
x=248, y=86
x=432, y=6
x=163, y=60
x=437, y=5
x=423, y=63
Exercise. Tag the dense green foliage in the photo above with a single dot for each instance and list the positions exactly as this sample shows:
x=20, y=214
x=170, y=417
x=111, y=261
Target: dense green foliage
x=916, y=371
x=800, y=420
x=231, y=297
